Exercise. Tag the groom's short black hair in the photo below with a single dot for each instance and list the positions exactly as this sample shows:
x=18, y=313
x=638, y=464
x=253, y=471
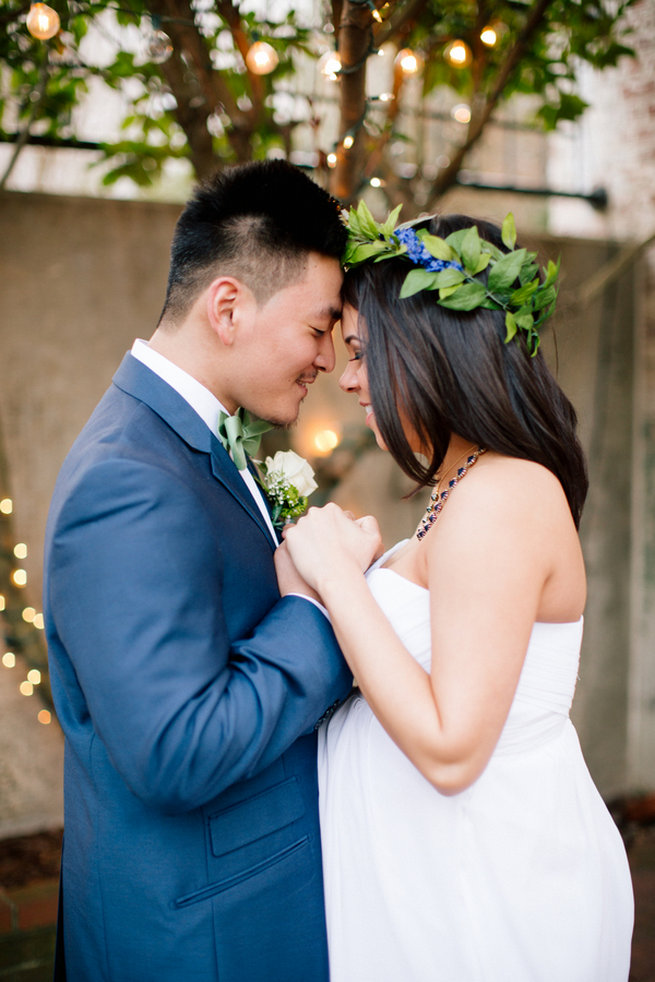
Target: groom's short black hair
x=256, y=222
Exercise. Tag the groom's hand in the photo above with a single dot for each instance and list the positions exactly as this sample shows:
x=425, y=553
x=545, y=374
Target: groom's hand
x=288, y=578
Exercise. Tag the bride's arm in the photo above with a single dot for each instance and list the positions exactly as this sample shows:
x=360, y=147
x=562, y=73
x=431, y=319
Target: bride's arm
x=488, y=559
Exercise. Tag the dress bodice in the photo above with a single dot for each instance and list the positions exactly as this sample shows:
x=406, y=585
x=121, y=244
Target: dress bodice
x=522, y=875
x=546, y=686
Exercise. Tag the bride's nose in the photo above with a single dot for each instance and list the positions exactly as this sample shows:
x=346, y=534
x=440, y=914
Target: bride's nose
x=348, y=381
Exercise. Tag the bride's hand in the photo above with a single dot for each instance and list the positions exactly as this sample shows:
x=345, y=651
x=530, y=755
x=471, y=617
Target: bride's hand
x=326, y=540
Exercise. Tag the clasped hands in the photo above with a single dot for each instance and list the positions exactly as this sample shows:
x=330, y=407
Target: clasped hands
x=323, y=544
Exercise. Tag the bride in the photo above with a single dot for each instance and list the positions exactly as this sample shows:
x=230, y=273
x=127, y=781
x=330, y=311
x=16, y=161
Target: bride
x=463, y=838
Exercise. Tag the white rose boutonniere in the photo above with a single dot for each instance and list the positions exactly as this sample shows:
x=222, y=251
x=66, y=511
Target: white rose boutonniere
x=288, y=481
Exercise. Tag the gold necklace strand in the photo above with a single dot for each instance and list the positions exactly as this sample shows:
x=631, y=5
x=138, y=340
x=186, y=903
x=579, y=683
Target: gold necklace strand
x=438, y=498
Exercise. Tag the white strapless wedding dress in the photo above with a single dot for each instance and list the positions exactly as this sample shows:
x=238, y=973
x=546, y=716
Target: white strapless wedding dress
x=521, y=878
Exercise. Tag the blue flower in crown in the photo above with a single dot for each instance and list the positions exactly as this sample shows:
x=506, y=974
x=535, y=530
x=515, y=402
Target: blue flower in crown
x=419, y=254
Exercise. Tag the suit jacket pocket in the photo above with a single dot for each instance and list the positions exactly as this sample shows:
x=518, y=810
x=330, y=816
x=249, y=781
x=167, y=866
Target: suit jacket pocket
x=255, y=818
x=267, y=866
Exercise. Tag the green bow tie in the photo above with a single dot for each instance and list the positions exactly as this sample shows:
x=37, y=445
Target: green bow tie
x=241, y=434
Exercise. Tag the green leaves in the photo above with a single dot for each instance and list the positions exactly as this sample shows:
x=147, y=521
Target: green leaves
x=437, y=247
x=416, y=281
x=513, y=283
x=508, y=231
x=466, y=297
x=367, y=239
x=504, y=273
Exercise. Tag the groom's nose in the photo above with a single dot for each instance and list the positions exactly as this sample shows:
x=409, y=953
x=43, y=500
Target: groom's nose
x=326, y=359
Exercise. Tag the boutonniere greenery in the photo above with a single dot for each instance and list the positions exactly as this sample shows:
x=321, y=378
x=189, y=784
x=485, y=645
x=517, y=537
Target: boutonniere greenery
x=288, y=481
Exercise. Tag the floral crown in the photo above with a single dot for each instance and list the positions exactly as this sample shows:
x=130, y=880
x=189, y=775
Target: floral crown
x=450, y=267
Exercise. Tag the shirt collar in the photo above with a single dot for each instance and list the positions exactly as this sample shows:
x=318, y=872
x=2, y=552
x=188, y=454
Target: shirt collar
x=192, y=391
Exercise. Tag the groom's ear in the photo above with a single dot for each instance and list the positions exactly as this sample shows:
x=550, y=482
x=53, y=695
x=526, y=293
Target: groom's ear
x=226, y=300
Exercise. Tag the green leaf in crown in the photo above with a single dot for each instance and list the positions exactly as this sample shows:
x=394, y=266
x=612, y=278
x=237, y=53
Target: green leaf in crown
x=449, y=268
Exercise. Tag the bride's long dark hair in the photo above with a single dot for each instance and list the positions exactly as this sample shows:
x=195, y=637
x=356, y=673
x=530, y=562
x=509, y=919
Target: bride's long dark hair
x=451, y=372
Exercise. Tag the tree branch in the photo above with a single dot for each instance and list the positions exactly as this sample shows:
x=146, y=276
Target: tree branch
x=187, y=39
x=398, y=25
x=447, y=176
x=35, y=105
x=354, y=44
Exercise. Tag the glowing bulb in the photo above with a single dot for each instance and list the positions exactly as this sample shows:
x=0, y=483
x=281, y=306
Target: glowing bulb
x=29, y=614
x=348, y=142
x=38, y=622
x=6, y=506
x=332, y=160
x=489, y=37
x=34, y=676
x=20, y=550
x=329, y=65
x=461, y=113
x=376, y=15
x=376, y=182
x=408, y=61
x=159, y=47
x=42, y=21
x=26, y=688
x=44, y=717
x=386, y=97
x=18, y=577
x=326, y=440
x=9, y=659
x=2, y=601
x=262, y=58
x=458, y=54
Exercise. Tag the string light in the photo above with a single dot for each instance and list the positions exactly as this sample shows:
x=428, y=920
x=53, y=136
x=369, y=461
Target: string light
x=159, y=47
x=29, y=614
x=325, y=440
x=332, y=160
x=329, y=65
x=262, y=58
x=348, y=141
x=375, y=13
x=489, y=36
x=461, y=113
x=376, y=182
x=458, y=54
x=408, y=61
x=42, y=21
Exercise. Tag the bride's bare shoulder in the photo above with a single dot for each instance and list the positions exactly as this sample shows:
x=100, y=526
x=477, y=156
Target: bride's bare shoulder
x=499, y=484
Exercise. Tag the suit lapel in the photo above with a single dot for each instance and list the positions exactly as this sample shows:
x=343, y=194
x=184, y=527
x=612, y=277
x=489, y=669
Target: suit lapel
x=139, y=381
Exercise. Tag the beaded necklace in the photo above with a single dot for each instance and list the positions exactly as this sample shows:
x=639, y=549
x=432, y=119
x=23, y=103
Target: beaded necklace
x=438, y=498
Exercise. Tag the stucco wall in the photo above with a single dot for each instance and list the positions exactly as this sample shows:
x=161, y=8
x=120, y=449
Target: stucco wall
x=82, y=277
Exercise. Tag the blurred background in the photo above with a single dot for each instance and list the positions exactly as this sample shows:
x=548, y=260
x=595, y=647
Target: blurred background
x=109, y=112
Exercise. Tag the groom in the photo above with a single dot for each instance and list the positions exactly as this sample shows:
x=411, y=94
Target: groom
x=188, y=691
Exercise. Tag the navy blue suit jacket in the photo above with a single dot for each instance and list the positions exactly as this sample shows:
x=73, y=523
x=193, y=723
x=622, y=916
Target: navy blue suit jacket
x=188, y=692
